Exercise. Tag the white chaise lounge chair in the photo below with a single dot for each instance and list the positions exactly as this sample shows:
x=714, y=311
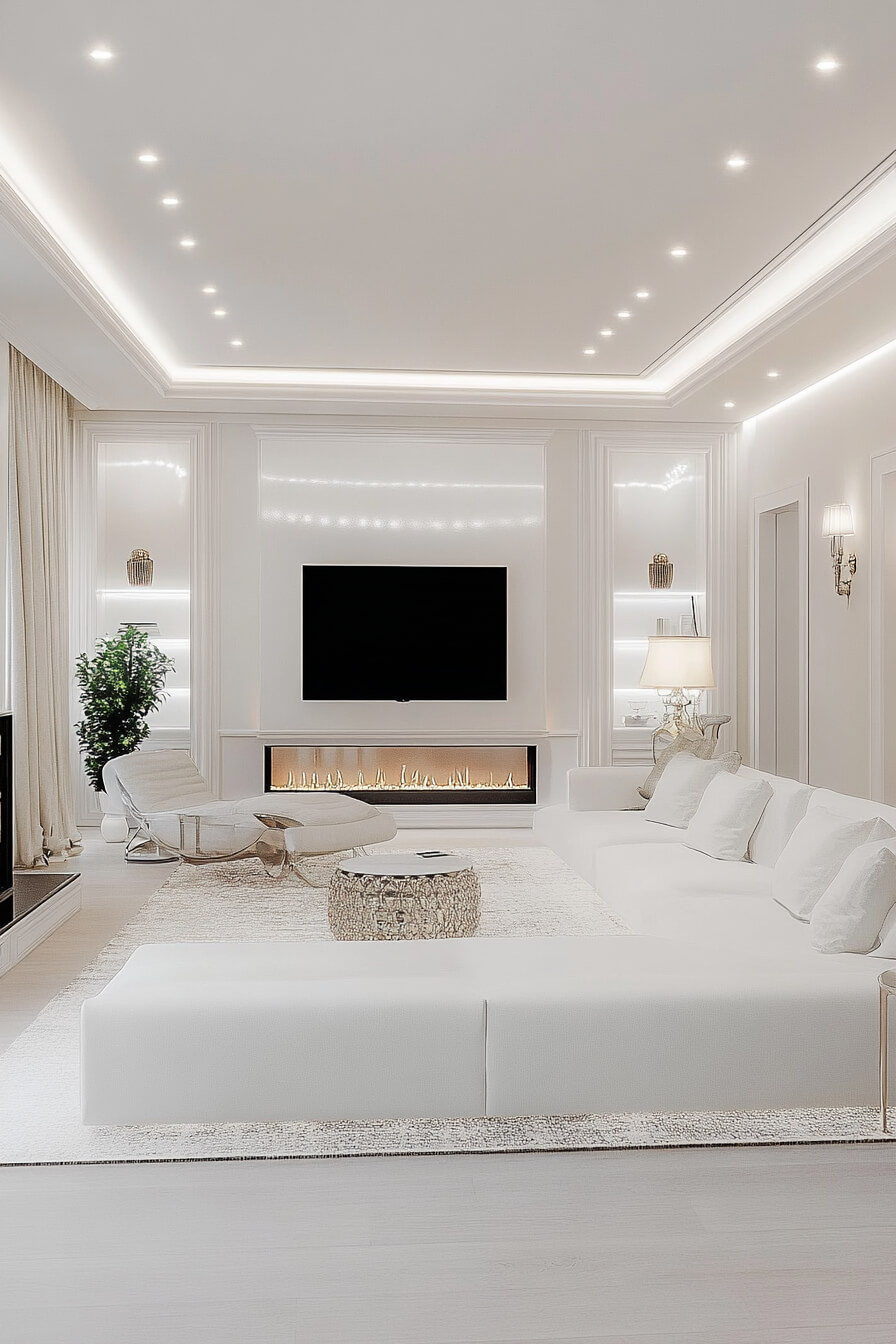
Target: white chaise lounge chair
x=155, y=788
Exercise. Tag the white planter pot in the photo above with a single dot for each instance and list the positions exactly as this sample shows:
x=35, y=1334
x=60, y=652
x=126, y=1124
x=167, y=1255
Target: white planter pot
x=114, y=828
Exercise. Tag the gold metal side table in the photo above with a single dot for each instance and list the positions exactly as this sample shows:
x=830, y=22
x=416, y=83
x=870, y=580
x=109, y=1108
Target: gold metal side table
x=887, y=982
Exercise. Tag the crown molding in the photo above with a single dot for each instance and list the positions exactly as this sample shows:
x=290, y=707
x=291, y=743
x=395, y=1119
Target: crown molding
x=534, y=438
x=855, y=235
x=46, y=360
x=25, y=222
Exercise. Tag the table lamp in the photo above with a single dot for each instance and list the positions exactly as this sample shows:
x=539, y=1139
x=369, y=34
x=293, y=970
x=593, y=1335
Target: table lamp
x=676, y=665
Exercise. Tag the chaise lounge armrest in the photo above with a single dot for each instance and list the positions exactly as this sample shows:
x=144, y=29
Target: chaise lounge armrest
x=605, y=788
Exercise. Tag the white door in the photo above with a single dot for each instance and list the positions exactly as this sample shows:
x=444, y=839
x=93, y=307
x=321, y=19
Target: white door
x=779, y=700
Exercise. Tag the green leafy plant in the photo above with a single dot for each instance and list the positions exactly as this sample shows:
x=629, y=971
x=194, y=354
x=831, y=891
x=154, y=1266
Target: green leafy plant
x=120, y=685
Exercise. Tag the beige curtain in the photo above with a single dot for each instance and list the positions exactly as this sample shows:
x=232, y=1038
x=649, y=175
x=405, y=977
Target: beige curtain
x=41, y=445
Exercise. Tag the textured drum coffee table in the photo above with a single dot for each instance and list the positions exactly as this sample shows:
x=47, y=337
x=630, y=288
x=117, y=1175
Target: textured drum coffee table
x=404, y=896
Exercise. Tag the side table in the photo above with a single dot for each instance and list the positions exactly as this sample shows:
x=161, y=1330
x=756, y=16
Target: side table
x=390, y=896
x=887, y=982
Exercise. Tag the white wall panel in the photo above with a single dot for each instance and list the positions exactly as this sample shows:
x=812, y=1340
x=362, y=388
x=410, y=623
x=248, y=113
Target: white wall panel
x=399, y=498
x=828, y=435
x=288, y=491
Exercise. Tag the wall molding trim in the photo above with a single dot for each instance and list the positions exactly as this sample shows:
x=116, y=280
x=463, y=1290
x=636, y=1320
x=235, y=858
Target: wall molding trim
x=49, y=248
x=203, y=440
x=205, y=653
x=82, y=580
x=798, y=494
x=883, y=464
x=400, y=429
x=411, y=737
x=596, y=448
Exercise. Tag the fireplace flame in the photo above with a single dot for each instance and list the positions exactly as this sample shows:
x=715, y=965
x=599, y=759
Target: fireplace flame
x=458, y=778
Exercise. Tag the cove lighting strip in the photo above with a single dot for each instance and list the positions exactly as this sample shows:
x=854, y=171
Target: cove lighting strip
x=853, y=231
x=145, y=594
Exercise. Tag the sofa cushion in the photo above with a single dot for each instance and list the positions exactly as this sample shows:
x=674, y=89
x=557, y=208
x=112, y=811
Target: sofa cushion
x=845, y=805
x=677, y=893
x=577, y=836
x=816, y=852
x=682, y=785
x=785, y=810
x=851, y=912
x=886, y=948
x=649, y=1025
x=727, y=816
x=670, y=869
x=161, y=781
x=688, y=740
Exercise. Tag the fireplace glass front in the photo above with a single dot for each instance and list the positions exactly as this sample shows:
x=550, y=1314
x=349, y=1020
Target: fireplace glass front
x=406, y=774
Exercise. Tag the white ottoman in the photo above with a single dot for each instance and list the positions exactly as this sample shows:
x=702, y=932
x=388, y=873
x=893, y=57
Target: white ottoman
x=224, y=1032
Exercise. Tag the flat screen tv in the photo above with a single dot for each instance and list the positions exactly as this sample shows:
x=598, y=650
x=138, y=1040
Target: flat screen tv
x=404, y=632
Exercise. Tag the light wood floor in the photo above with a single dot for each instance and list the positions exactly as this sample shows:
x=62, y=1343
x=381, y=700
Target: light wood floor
x=747, y=1246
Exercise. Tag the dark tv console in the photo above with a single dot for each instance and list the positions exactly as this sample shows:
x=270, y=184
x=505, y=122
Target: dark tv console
x=32, y=904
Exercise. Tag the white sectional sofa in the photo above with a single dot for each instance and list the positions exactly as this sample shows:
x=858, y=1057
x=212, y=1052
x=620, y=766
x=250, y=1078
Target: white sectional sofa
x=662, y=888
x=255, y=1032
x=715, y=1001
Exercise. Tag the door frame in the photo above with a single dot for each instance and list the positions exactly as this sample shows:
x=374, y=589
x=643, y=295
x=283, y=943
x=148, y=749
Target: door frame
x=882, y=464
x=794, y=495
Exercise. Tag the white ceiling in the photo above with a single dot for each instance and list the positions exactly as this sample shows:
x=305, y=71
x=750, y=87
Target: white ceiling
x=468, y=186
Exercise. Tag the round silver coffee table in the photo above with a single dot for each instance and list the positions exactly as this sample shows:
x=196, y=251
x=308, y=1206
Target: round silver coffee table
x=387, y=896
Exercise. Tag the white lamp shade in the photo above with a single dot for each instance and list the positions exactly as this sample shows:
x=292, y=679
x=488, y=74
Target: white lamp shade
x=678, y=660
x=837, y=521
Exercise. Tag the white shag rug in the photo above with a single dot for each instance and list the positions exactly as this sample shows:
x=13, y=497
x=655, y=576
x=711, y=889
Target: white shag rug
x=525, y=891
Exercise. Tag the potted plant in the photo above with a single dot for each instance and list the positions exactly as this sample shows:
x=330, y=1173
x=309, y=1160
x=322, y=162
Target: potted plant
x=120, y=685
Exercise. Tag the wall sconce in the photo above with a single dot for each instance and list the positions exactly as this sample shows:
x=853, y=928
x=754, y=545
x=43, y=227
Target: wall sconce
x=838, y=524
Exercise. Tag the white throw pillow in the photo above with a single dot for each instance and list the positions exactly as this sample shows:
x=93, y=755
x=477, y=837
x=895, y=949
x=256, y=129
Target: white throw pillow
x=727, y=816
x=814, y=855
x=887, y=946
x=681, y=786
x=850, y=914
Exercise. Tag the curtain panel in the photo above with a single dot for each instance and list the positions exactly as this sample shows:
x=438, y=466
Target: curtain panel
x=41, y=448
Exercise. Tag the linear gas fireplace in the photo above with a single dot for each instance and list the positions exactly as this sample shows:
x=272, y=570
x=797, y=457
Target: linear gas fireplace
x=405, y=774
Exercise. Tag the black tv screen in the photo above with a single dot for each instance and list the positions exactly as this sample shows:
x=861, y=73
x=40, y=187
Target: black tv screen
x=403, y=632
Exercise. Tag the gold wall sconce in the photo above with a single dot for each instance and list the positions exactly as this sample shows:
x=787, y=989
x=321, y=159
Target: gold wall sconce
x=837, y=524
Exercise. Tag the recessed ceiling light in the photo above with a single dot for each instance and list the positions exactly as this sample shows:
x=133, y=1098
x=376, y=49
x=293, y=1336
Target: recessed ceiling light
x=642, y=294
x=147, y=157
x=188, y=242
x=624, y=313
x=773, y=373
x=589, y=350
x=607, y=331
x=209, y=289
x=101, y=55
x=736, y=161
x=219, y=312
x=827, y=64
x=678, y=251
x=171, y=200
x=729, y=405
x=236, y=342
